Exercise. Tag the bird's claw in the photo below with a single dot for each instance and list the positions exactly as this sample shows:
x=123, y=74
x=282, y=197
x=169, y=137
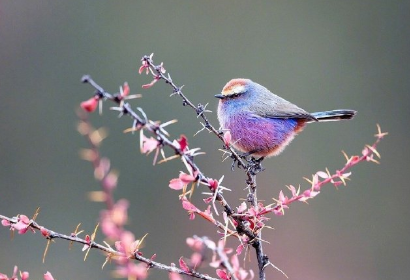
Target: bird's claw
x=255, y=165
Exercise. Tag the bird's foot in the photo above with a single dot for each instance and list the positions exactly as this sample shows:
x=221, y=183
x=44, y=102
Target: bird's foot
x=255, y=165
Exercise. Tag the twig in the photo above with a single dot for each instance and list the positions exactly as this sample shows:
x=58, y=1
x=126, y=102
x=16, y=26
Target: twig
x=50, y=235
x=251, y=167
x=163, y=140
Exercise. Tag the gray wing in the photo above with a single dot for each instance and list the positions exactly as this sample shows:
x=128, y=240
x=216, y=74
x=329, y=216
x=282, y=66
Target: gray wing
x=276, y=107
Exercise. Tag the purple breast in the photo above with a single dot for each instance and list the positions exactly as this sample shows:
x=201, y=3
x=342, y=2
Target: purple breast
x=262, y=136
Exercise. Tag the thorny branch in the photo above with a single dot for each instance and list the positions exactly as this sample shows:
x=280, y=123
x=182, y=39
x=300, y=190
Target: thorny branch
x=111, y=253
x=115, y=217
x=142, y=121
x=251, y=166
x=156, y=129
x=248, y=223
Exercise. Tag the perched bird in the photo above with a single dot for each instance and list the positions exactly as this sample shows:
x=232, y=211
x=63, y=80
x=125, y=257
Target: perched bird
x=261, y=123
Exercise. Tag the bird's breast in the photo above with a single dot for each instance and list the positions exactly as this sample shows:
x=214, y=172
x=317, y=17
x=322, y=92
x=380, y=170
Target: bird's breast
x=258, y=135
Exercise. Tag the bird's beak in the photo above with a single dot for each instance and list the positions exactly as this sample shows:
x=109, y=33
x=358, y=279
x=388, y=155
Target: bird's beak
x=220, y=96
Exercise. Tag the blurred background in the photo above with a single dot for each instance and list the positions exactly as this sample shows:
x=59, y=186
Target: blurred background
x=320, y=55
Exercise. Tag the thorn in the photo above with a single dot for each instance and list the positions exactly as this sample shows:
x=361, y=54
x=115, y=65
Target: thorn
x=46, y=250
x=373, y=150
x=143, y=114
x=36, y=214
x=345, y=155
x=380, y=134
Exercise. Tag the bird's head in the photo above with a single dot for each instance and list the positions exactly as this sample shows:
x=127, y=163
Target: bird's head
x=235, y=88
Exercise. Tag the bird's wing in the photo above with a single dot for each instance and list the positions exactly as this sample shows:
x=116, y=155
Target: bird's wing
x=280, y=108
x=287, y=114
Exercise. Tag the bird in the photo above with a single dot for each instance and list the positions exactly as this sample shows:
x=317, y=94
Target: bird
x=262, y=124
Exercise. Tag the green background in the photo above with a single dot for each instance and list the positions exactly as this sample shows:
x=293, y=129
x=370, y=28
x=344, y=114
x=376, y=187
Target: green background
x=319, y=55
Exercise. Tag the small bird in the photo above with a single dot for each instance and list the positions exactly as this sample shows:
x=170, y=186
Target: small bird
x=261, y=123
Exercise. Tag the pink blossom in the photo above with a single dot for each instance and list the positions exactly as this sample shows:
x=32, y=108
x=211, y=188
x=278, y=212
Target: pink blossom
x=22, y=225
x=352, y=160
x=119, y=212
x=219, y=252
x=213, y=184
x=88, y=240
x=113, y=220
x=110, y=181
x=196, y=259
x=238, y=271
x=15, y=270
x=293, y=190
x=148, y=144
x=132, y=270
x=5, y=223
x=144, y=66
x=45, y=232
x=126, y=243
x=187, y=178
x=3, y=276
x=223, y=274
x=227, y=138
x=128, y=246
x=195, y=243
x=183, y=265
x=241, y=208
x=322, y=174
x=315, y=182
x=176, y=184
x=90, y=105
x=279, y=209
x=183, y=142
x=308, y=194
x=192, y=210
x=239, y=249
x=208, y=199
x=125, y=90
x=24, y=275
x=108, y=227
x=183, y=180
x=48, y=276
x=235, y=262
x=156, y=78
x=187, y=205
x=282, y=198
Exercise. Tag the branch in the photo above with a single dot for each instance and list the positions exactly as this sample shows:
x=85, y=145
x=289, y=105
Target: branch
x=252, y=167
x=248, y=223
x=115, y=217
x=338, y=178
x=162, y=140
x=21, y=223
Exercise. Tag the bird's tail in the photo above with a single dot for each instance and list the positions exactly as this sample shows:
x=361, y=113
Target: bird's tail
x=334, y=115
